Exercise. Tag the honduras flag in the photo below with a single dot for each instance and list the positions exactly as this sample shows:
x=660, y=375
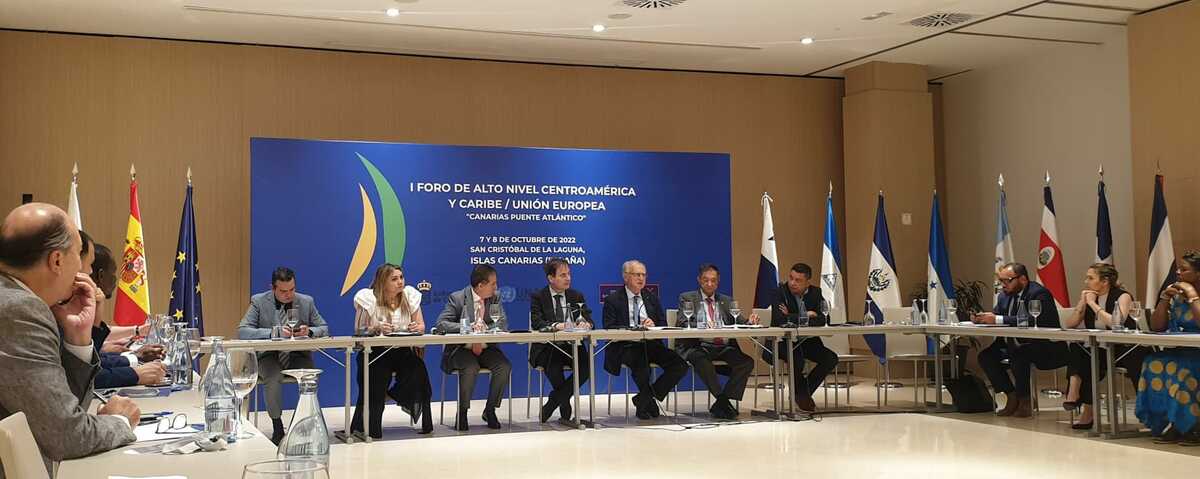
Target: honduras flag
x=941, y=285
x=883, y=287
x=1004, y=243
x=185, y=281
x=1104, y=247
x=768, y=262
x=831, y=267
x=1161, y=269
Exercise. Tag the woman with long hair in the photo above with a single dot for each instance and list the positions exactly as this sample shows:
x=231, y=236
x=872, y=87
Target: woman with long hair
x=1102, y=300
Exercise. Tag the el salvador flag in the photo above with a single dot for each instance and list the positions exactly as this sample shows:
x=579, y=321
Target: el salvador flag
x=941, y=285
x=768, y=262
x=883, y=287
x=831, y=267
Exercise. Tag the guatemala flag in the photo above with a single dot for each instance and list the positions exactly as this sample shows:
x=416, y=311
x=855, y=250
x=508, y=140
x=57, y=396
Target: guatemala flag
x=1004, y=243
x=768, y=262
x=883, y=287
x=941, y=285
x=831, y=267
x=1104, y=246
x=1161, y=269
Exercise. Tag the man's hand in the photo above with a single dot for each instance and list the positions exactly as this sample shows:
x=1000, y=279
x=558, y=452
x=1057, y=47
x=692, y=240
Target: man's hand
x=647, y=323
x=78, y=314
x=303, y=332
x=984, y=318
x=150, y=373
x=122, y=406
x=584, y=325
x=150, y=352
x=113, y=347
x=783, y=309
x=754, y=318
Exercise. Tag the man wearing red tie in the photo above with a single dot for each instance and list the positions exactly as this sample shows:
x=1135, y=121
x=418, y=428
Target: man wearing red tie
x=714, y=308
x=474, y=303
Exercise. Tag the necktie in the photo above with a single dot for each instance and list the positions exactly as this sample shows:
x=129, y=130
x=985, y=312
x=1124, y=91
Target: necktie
x=712, y=315
x=636, y=316
x=558, y=308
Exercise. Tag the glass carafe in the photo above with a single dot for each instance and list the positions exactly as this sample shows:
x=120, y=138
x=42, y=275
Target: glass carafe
x=307, y=436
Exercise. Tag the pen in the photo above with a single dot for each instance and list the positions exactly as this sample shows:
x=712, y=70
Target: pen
x=103, y=400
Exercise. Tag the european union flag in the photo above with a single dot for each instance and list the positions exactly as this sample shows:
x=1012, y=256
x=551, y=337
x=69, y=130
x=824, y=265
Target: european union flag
x=185, y=281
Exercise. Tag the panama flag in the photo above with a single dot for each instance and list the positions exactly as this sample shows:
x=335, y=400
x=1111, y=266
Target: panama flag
x=883, y=287
x=1004, y=243
x=1051, y=272
x=941, y=285
x=133, y=289
x=831, y=267
x=1161, y=270
x=768, y=262
x=73, y=200
x=1104, y=246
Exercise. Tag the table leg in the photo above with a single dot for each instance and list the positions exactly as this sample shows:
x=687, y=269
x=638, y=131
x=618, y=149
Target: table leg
x=349, y=365
x=1095, y=359
x=592, y=384
x=1115, y=425
x=791, y=393
x=937, y=371
x=366, y=393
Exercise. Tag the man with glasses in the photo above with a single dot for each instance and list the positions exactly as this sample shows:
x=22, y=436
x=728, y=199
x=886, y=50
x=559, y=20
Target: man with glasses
x=1011, y=309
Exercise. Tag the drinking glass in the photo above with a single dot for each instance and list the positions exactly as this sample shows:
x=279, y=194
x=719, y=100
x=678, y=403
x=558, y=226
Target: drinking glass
x=285, y=469
x=1035, y=310
x=736, y=310
x=688, y=309
x=243, y=365
x=494, y=313
x=1136, y=313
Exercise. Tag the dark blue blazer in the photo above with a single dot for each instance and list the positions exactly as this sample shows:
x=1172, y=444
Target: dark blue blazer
x=616, y=316
x=1049, y=316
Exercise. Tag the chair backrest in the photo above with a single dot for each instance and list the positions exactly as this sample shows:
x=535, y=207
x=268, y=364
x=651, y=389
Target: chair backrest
x=903, y=344
x=764, y=316
x=1063, y=315
x=19, y=453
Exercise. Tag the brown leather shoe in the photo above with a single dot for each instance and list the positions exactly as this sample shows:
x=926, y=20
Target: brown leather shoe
x=1024, y=408
x=1010, y=405
x=806, y=404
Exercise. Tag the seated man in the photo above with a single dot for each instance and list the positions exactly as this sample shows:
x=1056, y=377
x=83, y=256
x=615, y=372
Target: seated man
x=275, y=308
x=632, y=306
x=799, y=296
x=1023, y=354
x=549, y=308
x=712, y=307
x=474, y=303
x=47, y=306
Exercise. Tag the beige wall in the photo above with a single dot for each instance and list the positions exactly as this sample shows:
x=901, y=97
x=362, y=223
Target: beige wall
x=1164, y=77
x=166, y=105
x=1064, y=108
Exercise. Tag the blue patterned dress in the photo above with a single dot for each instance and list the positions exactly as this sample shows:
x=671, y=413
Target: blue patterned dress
x=1169, y=388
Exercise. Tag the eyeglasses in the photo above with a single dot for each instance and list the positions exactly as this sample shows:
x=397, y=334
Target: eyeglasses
x=1007, y=280
x=173, y=425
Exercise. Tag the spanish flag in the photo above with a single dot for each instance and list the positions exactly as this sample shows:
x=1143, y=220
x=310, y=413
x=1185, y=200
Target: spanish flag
x=133, y=290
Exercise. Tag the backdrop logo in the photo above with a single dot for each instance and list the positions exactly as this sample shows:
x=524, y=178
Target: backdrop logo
x=394, y=231
x=507, y=294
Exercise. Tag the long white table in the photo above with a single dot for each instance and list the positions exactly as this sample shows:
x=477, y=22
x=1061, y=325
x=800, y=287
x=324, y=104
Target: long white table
x=144, y=459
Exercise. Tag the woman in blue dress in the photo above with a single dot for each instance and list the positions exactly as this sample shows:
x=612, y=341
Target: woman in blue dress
x=1168, y=399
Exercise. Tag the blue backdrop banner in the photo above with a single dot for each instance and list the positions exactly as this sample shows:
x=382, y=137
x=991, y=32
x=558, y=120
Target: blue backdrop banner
x=333, y=211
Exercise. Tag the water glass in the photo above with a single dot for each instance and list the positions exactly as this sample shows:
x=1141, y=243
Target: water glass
x=494, y=314
x=734, y=309
x=688, y=309
x=1137, y=313
x=286, y=469
x=1035, y=310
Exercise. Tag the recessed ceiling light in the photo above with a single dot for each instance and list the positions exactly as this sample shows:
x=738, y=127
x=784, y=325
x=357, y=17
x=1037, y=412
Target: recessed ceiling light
x=393, y=12
x=599, y=27
x=806, y=41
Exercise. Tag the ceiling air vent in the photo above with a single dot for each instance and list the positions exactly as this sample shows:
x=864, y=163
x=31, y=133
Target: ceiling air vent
x=939, y=20
x=652, y=3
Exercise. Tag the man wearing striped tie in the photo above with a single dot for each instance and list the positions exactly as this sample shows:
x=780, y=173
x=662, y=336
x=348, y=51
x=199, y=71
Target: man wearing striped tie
x=713, y=308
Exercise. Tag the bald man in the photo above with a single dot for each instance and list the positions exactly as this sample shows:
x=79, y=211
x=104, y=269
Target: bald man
x=47, y=363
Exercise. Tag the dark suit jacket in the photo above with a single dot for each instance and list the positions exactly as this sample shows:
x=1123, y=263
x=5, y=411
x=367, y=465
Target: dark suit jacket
x=1049, y=316
x=682, y=346
x=812, y=302
x=616, y=316
x=541, y=315
x=457, y=307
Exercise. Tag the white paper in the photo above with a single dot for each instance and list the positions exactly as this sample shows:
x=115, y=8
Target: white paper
x=146, y=432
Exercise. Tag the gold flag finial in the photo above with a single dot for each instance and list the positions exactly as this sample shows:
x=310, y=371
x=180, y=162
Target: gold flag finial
x=189, y=176
x=1001, y=181
x=132, y=172
x=1047, y=177
x=75, y=173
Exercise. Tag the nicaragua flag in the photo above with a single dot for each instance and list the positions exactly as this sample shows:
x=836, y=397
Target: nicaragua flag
x=831, y=267
x=1161, y=269
x=768, y=262
x=185, y=281
x=940, y=284
x=1004, y=243
x=883, y=287
x=1051, y=272
x=1104, y=248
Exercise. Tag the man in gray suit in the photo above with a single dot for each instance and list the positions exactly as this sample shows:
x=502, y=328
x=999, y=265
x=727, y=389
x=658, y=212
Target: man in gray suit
x=47, y=362
x=714, y=307
x=474, y=303
x=275, y=308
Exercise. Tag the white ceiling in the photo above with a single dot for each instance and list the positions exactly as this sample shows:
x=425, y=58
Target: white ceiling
x=753, y=36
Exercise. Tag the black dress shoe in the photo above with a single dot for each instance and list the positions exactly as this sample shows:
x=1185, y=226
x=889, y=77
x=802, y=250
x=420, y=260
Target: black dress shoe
x=806, y=404
x=489, y=415
x=547, y=411
x=652, y=408
x=1082, y=426
x=564, y=411
x=643, y=414
x=461, y=423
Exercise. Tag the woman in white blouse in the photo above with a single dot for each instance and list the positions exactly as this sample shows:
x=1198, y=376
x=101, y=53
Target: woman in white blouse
x=390, y=307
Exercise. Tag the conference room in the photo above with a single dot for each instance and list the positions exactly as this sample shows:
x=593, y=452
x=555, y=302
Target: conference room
x=662, y=238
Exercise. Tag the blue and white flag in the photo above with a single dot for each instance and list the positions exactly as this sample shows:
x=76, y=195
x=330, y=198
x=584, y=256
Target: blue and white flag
x=768, y=262
x=1161, y=269
x=883, y=287
x=940, y=284
x=1004, y=242
x=1104, y=241
x=831, y=267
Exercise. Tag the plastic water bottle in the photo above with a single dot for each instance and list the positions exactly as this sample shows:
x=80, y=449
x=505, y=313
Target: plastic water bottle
x=701, y=318
x=181, y=361
x=569, y=320
x=464, y=326
x=801, y=315
x=220, y=399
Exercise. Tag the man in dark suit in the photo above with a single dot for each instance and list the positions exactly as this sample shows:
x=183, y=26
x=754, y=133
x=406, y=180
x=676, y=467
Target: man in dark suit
x=631, y=306
x=711, y=307
x=1011, y=309
x=474, y=303
x=47, y=307
x=275, y=308
x=549, y=309
x=794, y=297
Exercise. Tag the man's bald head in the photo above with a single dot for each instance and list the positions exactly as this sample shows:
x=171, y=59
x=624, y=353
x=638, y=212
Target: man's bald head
x=32, y=231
